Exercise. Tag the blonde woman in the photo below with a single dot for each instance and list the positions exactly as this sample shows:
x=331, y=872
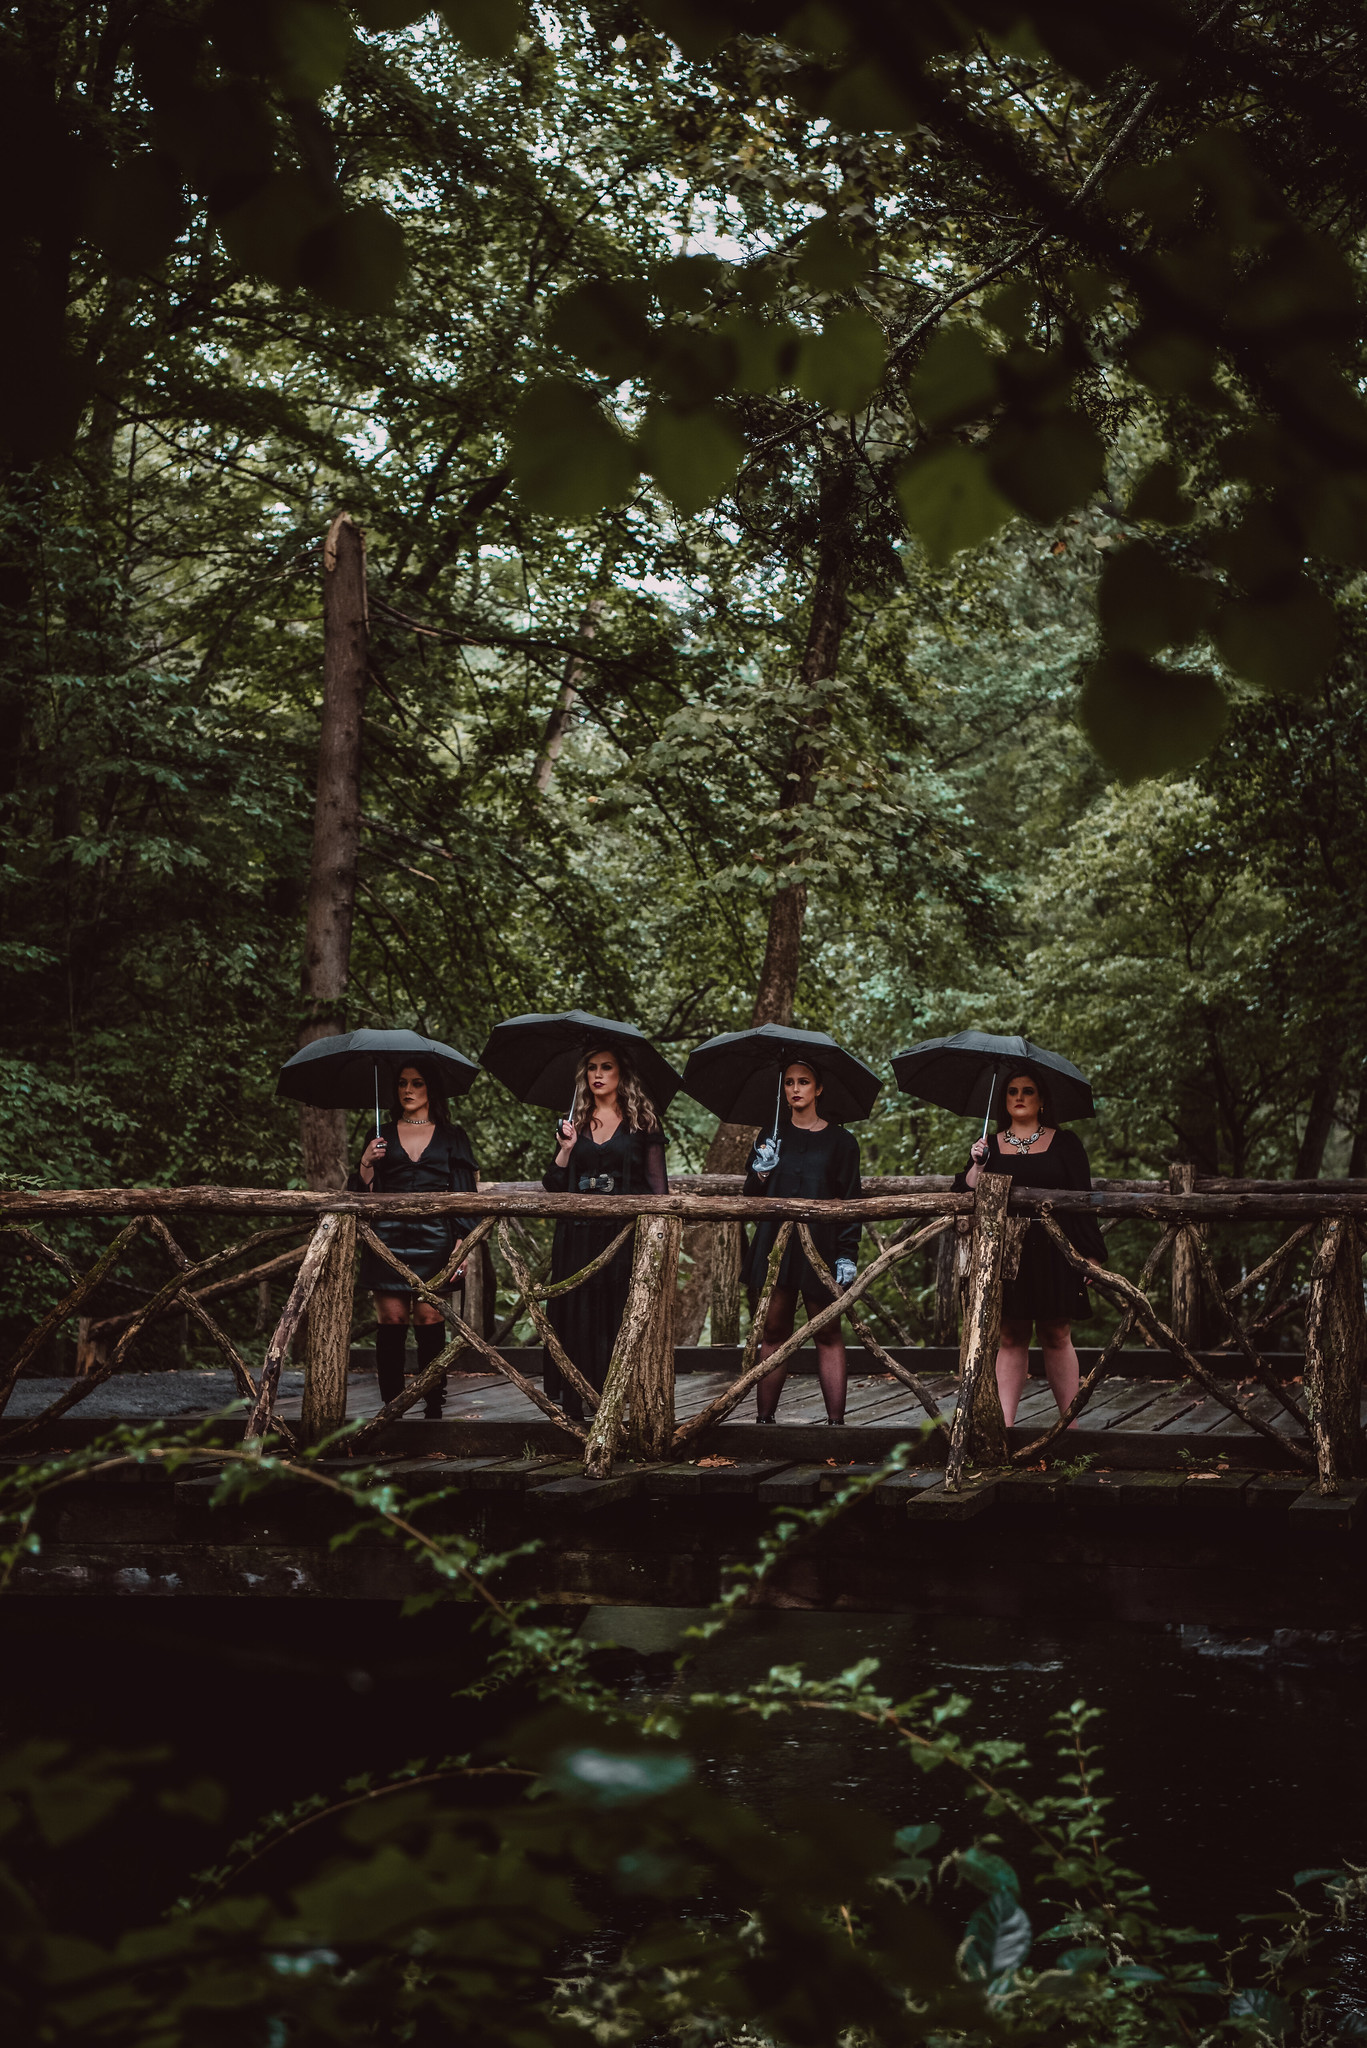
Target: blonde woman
x=611, y=1144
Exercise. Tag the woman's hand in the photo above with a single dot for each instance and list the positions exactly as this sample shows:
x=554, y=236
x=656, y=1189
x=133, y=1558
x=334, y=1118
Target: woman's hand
x=374, y=1151
x=981, y=1152
x=569, y=1137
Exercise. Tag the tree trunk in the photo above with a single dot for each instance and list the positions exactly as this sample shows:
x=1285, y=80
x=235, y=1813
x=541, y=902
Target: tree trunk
x=1357, y=1158
x=947, y=1288
x=558, y=724
x=777, y=988
x=327, y=1337
x=1336, y=1352
x=979, y=1428
x=1186, y=1271
x=1320, y=1121
x=336, y=831
x=726, y=1253
x=640, y=1374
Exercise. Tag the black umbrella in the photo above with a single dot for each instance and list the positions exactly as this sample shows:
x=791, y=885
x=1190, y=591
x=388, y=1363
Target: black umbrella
x=965, y=1072
x=344, y=1073
x=537, y=1057
x=739, y=1076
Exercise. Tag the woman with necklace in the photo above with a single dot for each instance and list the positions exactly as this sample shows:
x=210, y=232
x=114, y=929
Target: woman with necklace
x=818, y=1159
x=418, y=1151
x=1044, y=1290
x=611, y=1143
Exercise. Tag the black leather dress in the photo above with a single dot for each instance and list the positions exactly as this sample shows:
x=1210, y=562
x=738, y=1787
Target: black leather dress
x=425, y=1243
x=587, y=1319
x=825, y=1166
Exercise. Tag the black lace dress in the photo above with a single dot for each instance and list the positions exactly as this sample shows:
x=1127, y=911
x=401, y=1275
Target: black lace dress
x=424, y=1243
x=1045, y=1287
x=823, y=1165
x=587, y=1319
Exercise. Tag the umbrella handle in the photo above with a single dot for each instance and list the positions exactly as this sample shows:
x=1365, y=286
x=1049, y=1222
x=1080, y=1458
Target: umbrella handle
x=376, y=1065
x=992, y=1089
x=778, y=1105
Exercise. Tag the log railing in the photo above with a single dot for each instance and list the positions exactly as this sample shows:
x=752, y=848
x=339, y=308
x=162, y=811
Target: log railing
x=634, y=1414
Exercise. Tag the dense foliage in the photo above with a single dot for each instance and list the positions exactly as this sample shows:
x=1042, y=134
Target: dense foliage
x=617, y=345
x=582, y=1877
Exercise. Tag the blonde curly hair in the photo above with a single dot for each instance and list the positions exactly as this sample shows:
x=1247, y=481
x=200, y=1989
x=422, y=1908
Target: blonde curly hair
x=638, y=1111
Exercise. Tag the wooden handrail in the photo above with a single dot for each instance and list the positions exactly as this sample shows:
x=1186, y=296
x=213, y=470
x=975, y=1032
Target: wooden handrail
x=1267, y=1201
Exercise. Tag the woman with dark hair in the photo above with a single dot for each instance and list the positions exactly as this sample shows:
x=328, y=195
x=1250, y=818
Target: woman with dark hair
x=418, y=1151
x=610, y=1144
x=821, y=1160
x=1044, y=1290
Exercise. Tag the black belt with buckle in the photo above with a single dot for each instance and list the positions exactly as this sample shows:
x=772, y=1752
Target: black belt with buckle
x=597, y=1184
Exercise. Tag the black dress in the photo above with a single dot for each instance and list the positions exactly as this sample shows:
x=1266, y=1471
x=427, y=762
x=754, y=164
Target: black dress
x=823, y=1165
x=447, y=1166
x=587, y=1319
x=1045, y=1286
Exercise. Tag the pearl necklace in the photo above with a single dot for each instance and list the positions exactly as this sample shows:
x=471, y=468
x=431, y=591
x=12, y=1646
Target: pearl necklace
x=1024, y=1144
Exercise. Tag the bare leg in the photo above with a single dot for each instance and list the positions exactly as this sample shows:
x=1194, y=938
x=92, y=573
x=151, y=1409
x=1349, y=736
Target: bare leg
x=778, y=1327
x=1013, y=1366
x=392, y=1308
x=831, y=1364
x=1060, y=1361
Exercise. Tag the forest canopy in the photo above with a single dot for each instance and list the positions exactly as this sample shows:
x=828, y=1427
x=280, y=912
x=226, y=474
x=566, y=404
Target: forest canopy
x=865, y=509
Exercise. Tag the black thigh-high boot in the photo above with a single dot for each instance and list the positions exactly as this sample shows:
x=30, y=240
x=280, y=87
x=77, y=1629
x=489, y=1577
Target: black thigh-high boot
x=430, y=1338
x=390, y=1342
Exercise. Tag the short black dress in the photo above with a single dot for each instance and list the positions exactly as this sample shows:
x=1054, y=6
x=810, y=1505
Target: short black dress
x=587, y=1319
x=1046, y=1288
x=823, y=1165
x=425, y=1243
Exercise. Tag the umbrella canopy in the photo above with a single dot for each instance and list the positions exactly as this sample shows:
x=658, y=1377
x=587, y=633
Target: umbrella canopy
x=966, y=1073
x=346, y=1072
x=737, y=1075
x=537, y=1057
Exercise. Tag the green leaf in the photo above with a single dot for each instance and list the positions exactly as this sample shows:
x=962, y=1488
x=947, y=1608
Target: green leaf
x=949, y=500
x=304, y=44
x=1281, y=643
x=829, y=259
x=606, y=1777
x=71, y=1803
x=1318, y=1876
x=136, y=209
x=865, y=101
x=764, y=352
x=387, y=17
x=1048, y=466
x=357, y=261
x=998, y=1938
x=1261, y=2010
x=1158, y=496
x=203, y=1799
x=1144, y=720
x=956, y=378
x=604, y=324
x=688, y=281
x=691, y=455
x=988, y=1872
x=1144, y=603
x=840, y=368
x=486, y=28
x=568, y=458
x=266, y=233
x=1079, y=1959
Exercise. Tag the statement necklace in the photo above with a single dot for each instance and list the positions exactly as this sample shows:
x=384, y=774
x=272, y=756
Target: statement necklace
x=1023, y=1144
x=427, y=1120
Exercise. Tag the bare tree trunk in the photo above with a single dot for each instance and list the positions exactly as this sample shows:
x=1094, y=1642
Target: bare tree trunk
x=778, y=978
x=979, y=1429
x=558, y=724
x=640, y=1373
x=726, y=1252
x=327, y=1337
x=1186, y=1270
x=1336, y=1352
x=336, y=831
x=1357, y=1158
x=1320, y=1121
x=946, y=1288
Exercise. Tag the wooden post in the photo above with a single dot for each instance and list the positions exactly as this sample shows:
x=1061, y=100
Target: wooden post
x=979, y=1427
x=726, y=1252
x=1186, y=1271
x=1335, y=1352
x=641, y=1371
x=336, y=831
x=327, y=1337
x=946, y=1287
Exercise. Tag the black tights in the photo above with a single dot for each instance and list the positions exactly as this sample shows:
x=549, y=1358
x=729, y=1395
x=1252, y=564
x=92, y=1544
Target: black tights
x=831, y=1365
x=391, y=1340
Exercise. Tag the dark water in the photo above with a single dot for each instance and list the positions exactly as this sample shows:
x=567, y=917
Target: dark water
x=1234, y=1761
